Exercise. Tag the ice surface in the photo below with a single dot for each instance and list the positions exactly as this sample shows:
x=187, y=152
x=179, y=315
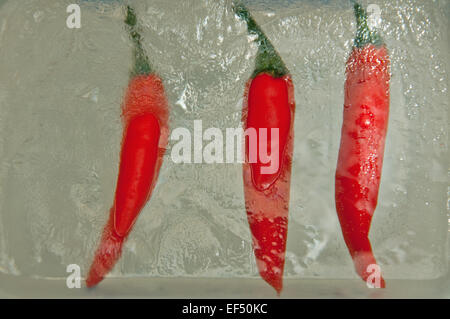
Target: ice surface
x=60, y=131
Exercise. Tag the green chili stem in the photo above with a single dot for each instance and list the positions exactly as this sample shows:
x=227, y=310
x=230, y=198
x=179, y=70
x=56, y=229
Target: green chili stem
x=141, y=63
x=363, y=33
x=267, y=59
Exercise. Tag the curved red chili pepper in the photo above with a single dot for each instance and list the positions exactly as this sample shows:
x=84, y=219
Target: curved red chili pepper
x=145, y=115
x=268, y=103
x=364, y=128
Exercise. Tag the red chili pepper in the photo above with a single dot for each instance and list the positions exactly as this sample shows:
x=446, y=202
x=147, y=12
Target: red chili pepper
x=358, y=173
x=269, y=103
x=145, y=115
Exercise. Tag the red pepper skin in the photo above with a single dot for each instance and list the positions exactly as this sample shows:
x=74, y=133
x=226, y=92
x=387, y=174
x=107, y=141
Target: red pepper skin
x=269, y=103
x=145, y=115
x=358, y=173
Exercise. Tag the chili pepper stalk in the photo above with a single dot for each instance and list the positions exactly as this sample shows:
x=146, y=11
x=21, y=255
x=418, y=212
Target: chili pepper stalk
x=141, y=62
x=267, y=58
x=364, y=34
